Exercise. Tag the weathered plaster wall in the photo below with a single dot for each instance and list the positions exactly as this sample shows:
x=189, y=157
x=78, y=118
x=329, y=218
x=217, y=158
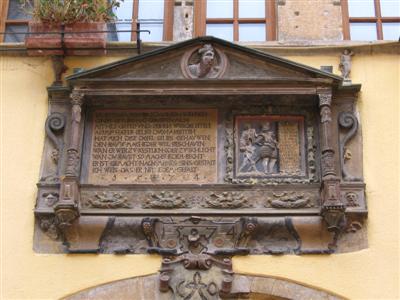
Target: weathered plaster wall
x=308, y=20
x=369, y=274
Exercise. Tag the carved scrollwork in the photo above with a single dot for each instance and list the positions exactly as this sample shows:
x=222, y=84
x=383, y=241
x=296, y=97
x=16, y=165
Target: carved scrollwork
x=54, y=126
x=227, y=200
x=109, y=200
x=249, y=225
x=164, y=200
x=55, y=123
x=348, y=121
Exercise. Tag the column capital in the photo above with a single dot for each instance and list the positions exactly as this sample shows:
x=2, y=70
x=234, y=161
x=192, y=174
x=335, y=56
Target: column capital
x=325, y=98
x=77, y=97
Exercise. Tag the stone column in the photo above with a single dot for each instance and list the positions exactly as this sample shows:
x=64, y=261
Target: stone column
x=332, y=207
x=66, y=209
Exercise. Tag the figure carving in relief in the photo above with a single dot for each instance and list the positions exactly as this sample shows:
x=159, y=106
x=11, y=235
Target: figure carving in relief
x=345, y=64
x=206, y=66
x=268, y=148
x=325, y=115
x=247, y=141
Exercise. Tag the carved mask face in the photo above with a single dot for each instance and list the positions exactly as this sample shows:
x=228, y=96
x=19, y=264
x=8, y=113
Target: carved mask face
x=208, y=57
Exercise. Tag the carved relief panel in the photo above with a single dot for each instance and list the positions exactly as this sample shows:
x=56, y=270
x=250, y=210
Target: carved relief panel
x=270, y=146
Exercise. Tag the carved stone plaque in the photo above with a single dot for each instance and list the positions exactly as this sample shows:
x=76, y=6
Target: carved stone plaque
x=270, y=146
x=153, y=146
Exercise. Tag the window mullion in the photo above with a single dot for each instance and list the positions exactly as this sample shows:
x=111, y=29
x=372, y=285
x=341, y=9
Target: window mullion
x=345, y=20
x=270, y=20
x=235, y=20
x=379, y=20
x=135, y=16
x=168, y=22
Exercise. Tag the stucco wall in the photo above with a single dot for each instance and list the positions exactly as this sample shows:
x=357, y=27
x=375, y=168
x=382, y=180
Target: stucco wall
x=368, y=274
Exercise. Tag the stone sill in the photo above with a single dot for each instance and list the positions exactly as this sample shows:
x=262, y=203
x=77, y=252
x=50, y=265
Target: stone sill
x=278, y=47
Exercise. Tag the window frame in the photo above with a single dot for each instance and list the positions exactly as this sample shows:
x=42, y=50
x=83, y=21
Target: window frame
x=201, y=20
x=4, y=21
x=377, y=20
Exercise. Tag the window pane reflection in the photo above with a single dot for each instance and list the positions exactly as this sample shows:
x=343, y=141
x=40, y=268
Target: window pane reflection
x=222, y=31
x=119, y=36
x=363, y=31
x=151, y=9
x=391, y=31
x=124, y=11
x=156, y=30
x=11, y=37
x=390, y=8
x=151, y=15
x=361, y=8
x=252, y=32
x=16, y=12
x=251, y=8
x=219, y=8
x=123, y=21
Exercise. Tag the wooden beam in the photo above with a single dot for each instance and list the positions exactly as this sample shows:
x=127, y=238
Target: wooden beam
x=168, y=20
x=345, y=20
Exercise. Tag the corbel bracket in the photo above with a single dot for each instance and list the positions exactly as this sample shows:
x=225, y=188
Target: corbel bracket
x=195, y=262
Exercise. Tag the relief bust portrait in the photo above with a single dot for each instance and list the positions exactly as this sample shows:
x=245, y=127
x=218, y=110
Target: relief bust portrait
x=204, y=62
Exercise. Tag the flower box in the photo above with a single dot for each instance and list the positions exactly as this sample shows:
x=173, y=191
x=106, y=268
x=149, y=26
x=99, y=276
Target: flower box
x=42, y=42
x=85, y=38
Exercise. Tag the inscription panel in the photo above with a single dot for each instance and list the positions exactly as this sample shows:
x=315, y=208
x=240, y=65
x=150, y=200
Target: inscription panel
x=289, y=153
x=153, y=146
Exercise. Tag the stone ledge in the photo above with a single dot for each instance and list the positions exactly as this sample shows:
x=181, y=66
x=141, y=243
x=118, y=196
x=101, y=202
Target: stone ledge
x=277, y=47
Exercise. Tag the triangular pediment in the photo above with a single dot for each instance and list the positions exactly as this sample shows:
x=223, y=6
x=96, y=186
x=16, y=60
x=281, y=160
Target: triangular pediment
x=204, y=58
